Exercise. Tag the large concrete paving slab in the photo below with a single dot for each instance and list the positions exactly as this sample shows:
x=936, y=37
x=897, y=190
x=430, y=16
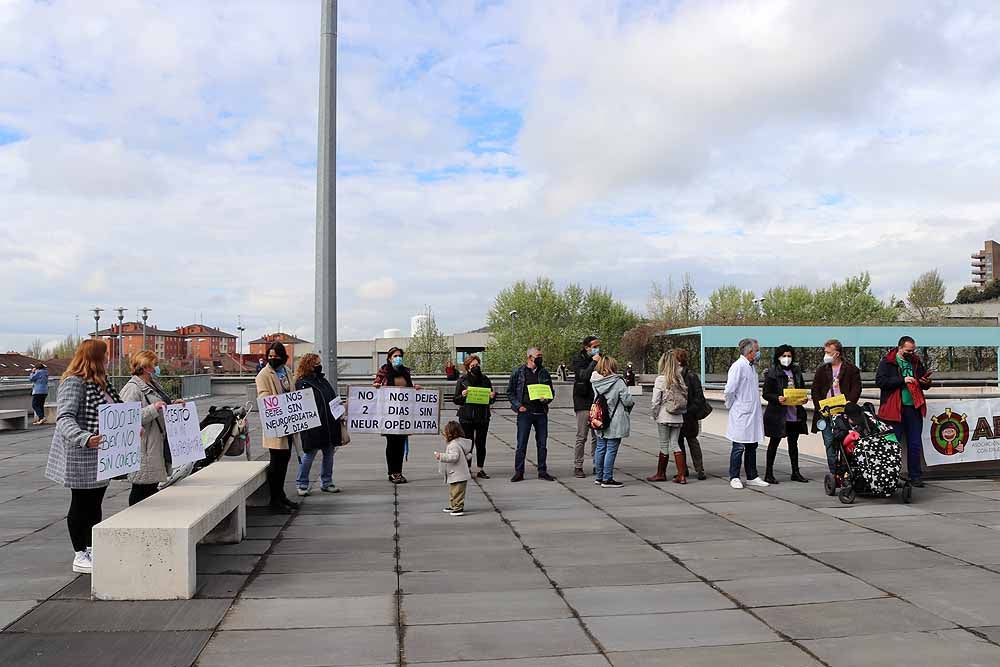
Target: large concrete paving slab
x=436, y=609
x=747, y=655
x=85, y=616
x=496, y=641
x=799, y=589
x=624, y=574
x=753, y=548
x=346, y=612
x=320, y=646
x=102, y=649
x=649, y=599
x=686, y=629
x=321, y=585
x=851, y=619
x=944, y=648
x=722, y=569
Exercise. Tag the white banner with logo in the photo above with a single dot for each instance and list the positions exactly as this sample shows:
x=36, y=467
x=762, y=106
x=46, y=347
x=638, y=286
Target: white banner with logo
x=962, y=431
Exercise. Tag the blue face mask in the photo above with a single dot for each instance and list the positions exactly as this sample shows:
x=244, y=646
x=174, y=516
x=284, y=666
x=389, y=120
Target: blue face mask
x=756, y=357
x=397, y=362
x=156, y=371
x=594, y=351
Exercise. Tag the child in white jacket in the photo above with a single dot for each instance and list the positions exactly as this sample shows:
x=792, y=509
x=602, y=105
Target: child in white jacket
x=456, y=458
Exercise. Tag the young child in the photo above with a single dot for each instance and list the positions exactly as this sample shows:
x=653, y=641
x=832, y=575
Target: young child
x=456, y=459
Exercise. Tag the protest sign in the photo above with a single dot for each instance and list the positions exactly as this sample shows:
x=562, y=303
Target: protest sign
x=835, y=403
x=961, y=431
x=539, y=391
x=478, y=396
x=118, y=424
x=796, y=396
x=183, y=433
x=393, y=410
x=337, y=408
x=287, y=414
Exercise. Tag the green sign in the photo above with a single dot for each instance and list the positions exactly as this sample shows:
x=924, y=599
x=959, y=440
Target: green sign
x=478, y=396
x=539, y=391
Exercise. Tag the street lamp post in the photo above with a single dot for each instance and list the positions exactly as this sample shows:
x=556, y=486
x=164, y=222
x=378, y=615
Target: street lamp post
x=97, y=319
x=239, y=352
x=145, y=315
x=513, y=316
x=121, y=338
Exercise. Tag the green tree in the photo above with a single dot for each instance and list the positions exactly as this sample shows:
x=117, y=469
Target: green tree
x=788, y=305
x=730, y=305
x=428, y=350
x=926, y=295
x=66, y=348
x=851, y=303
x=679, y=307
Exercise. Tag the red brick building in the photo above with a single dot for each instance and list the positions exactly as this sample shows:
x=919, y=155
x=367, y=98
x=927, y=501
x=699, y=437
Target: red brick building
x=192, y=342
x=207, y=343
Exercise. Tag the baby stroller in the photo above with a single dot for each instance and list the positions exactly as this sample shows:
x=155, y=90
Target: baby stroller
x=224, y=432
x=868, y=459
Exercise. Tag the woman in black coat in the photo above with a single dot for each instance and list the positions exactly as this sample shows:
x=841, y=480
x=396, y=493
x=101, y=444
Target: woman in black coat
x=326, y=437
x=780, y=420
x=474, y=417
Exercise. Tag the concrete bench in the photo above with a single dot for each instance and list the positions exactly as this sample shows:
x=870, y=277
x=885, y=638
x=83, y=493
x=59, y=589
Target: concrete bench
x=50, y=412
x=13, y=420
x=147, y=551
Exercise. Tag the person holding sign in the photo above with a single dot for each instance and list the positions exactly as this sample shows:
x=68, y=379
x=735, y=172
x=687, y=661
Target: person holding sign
x=325, y=438
x=394, y=374
x=474, y=395
x=73, y=455
x=902, y=380
x=836, y=376
x=530, y=392
x=783, y=418
x=143, y=389
x=274, y=380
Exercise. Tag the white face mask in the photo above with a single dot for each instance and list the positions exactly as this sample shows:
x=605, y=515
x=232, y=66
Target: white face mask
x=786, y=361
x=827, y=358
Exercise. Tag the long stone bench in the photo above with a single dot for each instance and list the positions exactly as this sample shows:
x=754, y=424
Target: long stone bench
x=13, y=420
x=147, y=551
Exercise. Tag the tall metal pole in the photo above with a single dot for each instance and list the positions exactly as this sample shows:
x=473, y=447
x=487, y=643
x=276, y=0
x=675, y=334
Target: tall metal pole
x=145, y=316
x=239, y=352
x=121, y=339
x=326, y=195
x=97, y=319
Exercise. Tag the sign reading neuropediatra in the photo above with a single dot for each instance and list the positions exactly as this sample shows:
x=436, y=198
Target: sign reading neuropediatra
x=183, y=433
x=288, y=414
x=961, y=431
x=118, y=424
x=394, y=410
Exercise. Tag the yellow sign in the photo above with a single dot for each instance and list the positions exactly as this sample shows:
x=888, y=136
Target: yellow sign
x=796, y=396
x=836, y=404
x=478, y=396
x=539, y=391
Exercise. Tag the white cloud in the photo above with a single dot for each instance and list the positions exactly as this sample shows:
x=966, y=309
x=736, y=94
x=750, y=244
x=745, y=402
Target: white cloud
x=378, y=289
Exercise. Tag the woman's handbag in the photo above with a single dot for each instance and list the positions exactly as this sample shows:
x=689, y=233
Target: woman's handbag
x=345, y=435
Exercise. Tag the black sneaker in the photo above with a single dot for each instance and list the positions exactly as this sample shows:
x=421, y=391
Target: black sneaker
x=918, y=483
x=611, y=484
x=291, y=504
x=518, y=477
x=482, y=475
x=546, y=476
x=598, y=482
x=279, y=509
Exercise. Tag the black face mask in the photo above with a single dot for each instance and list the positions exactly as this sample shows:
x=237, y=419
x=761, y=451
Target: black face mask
x=538, y=362
x=275, y=363
x=319, y=369
x=476, y=370
x=908, y=356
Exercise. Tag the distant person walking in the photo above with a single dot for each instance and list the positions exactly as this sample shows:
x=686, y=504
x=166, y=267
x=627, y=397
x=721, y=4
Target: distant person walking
x=902, y=379
x=584, y=363
x=530, y=413
x=629, y=375
x=260, y=365
x=782, y=420
x=273, y=380
x=475, y=417
x=325, y=439
x=745, y=427
x=562, y=371
x=39, y=378
x=670, y=396
x=72, y=458
x=394, y=373
x=143, y=388
x=617, y=423
x=834, y=377
x=450, y=372
x=697, y=409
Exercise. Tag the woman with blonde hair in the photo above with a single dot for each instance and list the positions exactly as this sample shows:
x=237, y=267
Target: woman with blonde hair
x=72, y=458
x=617, y=423
x=326, y=437
x=143, y=389
x=669, y=404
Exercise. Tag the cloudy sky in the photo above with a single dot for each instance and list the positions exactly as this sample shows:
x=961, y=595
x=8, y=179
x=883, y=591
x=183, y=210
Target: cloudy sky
x=163, y=153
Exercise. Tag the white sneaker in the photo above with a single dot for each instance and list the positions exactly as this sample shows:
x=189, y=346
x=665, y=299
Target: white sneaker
x=736, y=483
x=757, y=481
x=302, y=492
x=82, y=563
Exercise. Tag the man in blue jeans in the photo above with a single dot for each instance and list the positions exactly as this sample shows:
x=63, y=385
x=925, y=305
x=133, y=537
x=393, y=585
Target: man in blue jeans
x=902, y=380
x=530, y=413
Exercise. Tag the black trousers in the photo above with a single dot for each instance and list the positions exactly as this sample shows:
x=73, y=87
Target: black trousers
x=477, y=434
x=84, y=513
x=276, y=474
x=140, y=492
x=793, y=452
x=394, y=447
x=38, y=405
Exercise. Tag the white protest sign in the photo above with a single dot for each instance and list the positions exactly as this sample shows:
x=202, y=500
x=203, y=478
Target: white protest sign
x=337, y=408
x=287, y=414
x=118, y=426
x=183, y=433
x=961, y=431
x=394, y=410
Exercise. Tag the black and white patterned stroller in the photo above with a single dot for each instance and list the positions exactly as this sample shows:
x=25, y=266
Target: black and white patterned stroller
x=868, y=458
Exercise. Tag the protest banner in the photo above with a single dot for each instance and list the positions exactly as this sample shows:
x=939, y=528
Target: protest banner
x=118, y=424
x=961, y=431
x=393, y=410
x=287, y=414
x=183, y=433
x=539, y=391
x=478, y=396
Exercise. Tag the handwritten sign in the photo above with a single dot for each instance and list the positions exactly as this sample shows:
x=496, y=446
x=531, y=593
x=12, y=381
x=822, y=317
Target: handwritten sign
x=537, y=392
x=337, y=409
x=183, y=433
x=796, y=396
x=394, y=410
x=288, y=414
x=118, y=425
x=478, y=396
x=835, y=403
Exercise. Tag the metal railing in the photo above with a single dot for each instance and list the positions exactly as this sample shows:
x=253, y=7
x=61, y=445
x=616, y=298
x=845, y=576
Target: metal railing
x=176, y=386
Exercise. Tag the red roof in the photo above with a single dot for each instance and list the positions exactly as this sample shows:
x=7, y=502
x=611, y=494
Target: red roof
x=13, y=364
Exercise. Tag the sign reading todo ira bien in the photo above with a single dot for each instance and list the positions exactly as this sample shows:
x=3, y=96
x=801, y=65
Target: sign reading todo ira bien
x=394, y=410
x=119, y=426
x=287, y=414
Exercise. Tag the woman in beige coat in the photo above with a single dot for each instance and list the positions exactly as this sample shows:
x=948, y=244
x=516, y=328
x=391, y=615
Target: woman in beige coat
x=273, y=380
x=142, y=388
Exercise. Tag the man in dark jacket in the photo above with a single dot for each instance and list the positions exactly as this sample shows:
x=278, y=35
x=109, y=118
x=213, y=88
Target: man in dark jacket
x=902, y=379
x=530, y=413
x=835, y=376
x=584, y=363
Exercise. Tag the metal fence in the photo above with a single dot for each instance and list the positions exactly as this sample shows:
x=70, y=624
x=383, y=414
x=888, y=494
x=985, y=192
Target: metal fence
x=176, y=386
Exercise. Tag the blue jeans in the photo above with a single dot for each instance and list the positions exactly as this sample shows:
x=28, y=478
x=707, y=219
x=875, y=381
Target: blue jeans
x=831, y=450
x=325, y=472
x=745, y=452
x=525, y=420
x=911, y=428
x=604, y=457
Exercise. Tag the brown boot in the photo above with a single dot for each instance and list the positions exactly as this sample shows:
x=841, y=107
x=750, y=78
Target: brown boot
x=661, y=469
x=681, y=476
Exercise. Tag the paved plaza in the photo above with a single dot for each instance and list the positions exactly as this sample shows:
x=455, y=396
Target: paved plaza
x=536, y=574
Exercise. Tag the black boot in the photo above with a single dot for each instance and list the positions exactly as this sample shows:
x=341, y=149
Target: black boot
x=793, y=456
x=772, y=452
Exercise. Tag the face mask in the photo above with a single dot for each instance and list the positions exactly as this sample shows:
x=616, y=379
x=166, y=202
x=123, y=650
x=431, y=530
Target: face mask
x=756, y=356
x=538, y=362
x=319, y=369
x=275, y=363
x=786, y=361
x=594, y=351
x=476, y=370
x=397, y=362
x=828, y=359
x=156, y=371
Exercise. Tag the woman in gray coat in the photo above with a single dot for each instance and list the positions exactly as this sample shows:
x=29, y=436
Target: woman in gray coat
x=617, y=423
x=73, y=454
x=142, y=388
